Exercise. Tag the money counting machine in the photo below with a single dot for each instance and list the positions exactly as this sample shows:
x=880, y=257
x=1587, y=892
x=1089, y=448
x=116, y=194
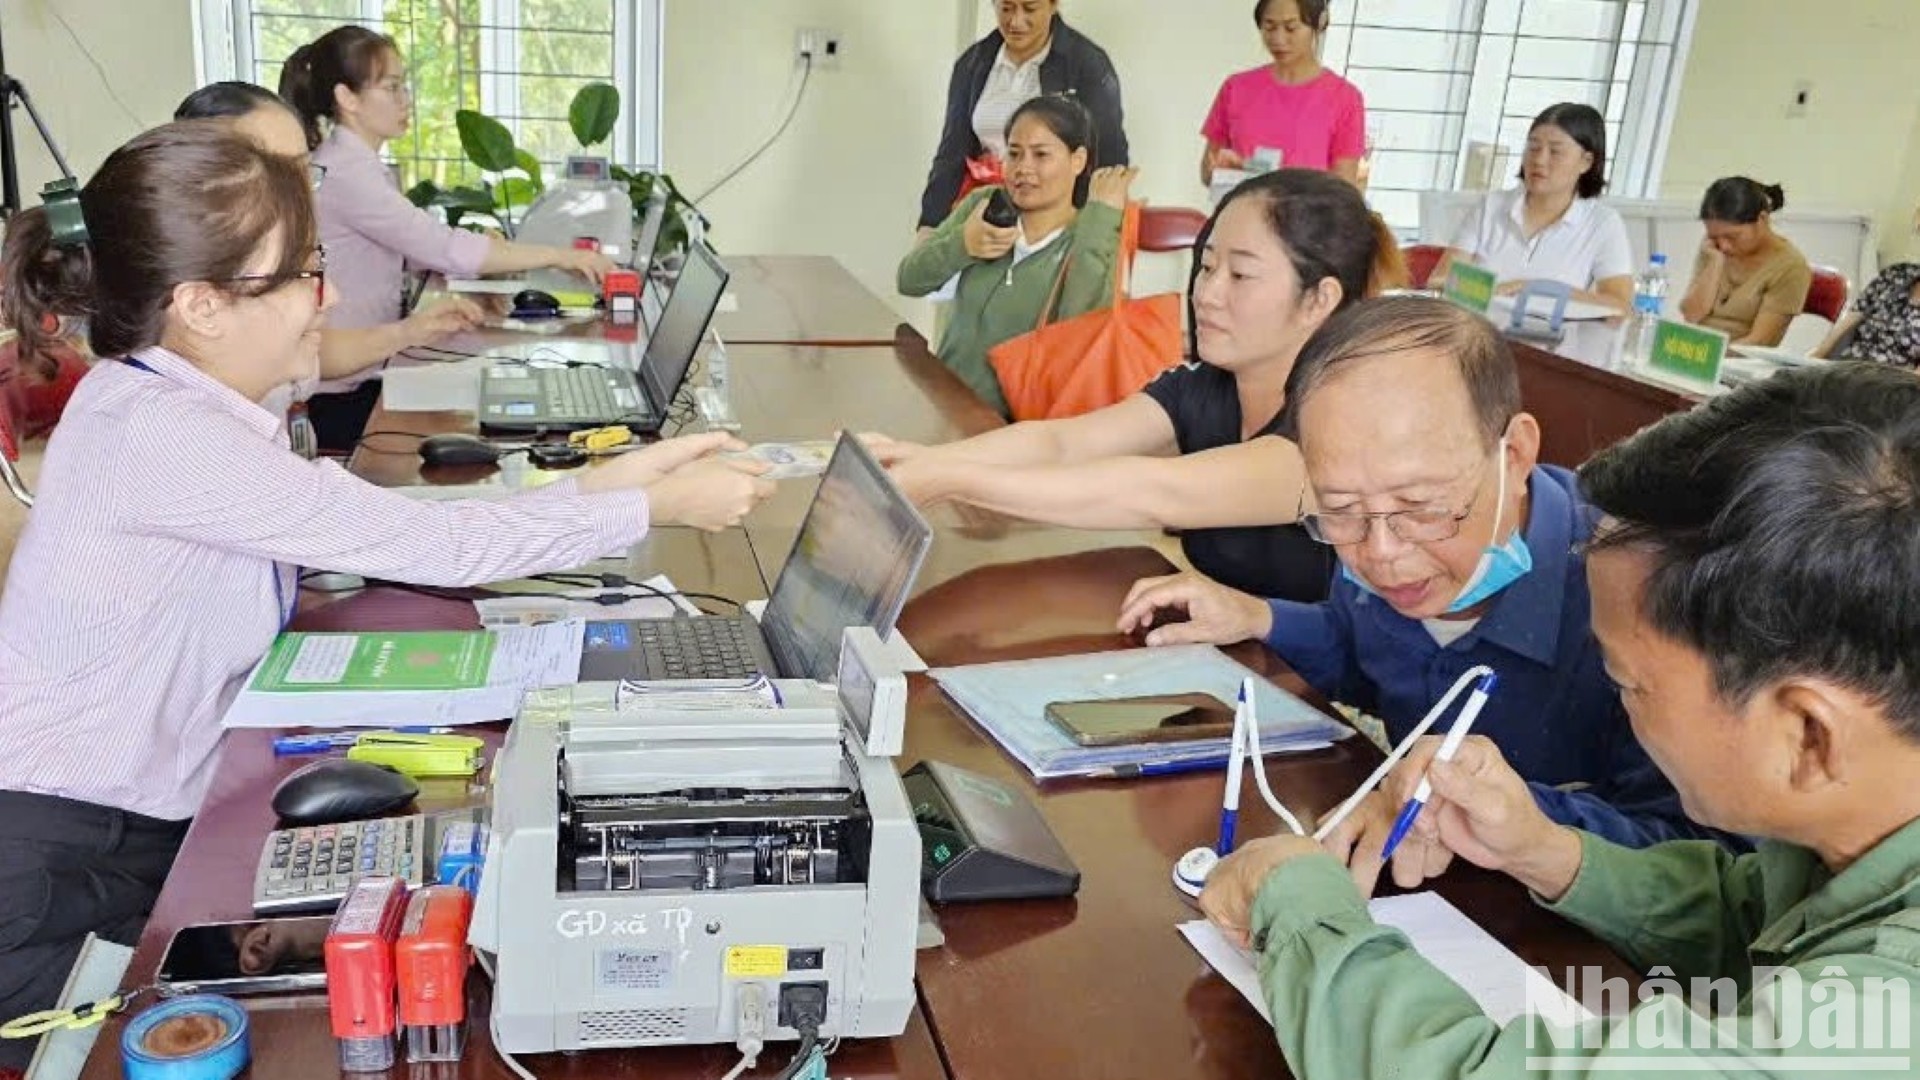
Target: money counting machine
x=657, y=874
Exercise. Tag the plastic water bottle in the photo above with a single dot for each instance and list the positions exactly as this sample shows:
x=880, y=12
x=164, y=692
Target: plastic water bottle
x=1649, y=303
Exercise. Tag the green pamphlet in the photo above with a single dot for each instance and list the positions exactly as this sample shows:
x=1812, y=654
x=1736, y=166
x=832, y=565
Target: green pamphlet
x=423, y=660
x=1469, y=286
x=1692, y=353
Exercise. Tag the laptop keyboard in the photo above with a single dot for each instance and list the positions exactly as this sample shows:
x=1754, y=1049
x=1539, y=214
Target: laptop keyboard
x=712, y=648
x=579, y=393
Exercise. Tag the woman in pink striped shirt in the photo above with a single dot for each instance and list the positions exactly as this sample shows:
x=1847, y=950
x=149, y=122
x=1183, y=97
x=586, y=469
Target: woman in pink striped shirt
x=162, y=555
x=350, y=89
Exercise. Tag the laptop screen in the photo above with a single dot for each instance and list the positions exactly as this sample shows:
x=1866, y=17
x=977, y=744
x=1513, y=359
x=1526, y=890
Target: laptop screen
x=674, y=340
x=858, y=553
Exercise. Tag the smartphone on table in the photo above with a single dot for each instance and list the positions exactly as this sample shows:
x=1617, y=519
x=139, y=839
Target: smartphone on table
x=1152, y=719
x=255, y=956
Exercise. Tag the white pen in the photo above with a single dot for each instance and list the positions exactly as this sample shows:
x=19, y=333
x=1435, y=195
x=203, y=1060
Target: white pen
x=1449, y=746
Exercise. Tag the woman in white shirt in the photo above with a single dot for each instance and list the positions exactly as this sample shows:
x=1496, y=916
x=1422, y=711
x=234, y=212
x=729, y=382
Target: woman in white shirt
x=1554, y=227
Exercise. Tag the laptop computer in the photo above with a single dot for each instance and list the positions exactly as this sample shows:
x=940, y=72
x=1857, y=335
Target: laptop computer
x=611, y=386
x=859, y=551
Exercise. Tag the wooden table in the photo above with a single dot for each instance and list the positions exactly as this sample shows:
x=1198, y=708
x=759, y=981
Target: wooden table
x=1584, y=397
x=1096, y=986
x=801, y=300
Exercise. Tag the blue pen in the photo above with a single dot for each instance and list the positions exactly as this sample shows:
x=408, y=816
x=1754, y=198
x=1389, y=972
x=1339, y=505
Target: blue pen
x=1236, y=756
x=1160, y=768
x=1448, y=747
x=324, y=741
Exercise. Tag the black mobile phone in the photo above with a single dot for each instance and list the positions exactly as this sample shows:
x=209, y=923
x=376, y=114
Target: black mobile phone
x=1001, y=213
x=258, y=956
x=1159, y=718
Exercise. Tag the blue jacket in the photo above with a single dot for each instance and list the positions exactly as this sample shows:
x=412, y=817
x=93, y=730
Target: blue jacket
x=1555, y=715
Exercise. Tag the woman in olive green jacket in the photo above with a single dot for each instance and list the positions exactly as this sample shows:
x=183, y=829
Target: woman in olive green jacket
x=1065, y=215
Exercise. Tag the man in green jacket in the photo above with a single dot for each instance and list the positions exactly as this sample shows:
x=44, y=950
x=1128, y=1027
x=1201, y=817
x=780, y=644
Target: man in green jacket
x=1756, y=594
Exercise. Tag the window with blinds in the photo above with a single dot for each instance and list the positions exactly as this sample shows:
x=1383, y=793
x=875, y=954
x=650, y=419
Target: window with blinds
x=1451, y=85
x=519, y=61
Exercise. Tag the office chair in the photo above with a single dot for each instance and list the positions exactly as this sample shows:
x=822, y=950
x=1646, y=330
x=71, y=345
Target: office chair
x=1170, y=228
x=10, y=442
x=30, y=406
x=1828, y=296
x=1422, y=260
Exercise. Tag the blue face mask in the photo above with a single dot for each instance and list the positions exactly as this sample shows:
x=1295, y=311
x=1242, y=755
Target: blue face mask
x=1499, y=567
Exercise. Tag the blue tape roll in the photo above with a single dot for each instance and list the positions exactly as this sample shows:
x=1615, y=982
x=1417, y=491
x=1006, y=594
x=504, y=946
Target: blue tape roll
x=223, y=1059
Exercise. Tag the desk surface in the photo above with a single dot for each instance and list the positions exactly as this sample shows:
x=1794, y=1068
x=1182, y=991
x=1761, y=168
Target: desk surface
x=1584, y=396
x=801, y=300
x=1096, y=986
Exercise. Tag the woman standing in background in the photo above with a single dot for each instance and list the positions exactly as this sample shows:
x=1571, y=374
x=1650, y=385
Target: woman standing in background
x=356, y=80
x=1032, y=52
x=1316, y=119
x=1748, y=281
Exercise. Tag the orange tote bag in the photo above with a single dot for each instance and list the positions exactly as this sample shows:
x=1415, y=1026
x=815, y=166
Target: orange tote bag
x=1093, y=360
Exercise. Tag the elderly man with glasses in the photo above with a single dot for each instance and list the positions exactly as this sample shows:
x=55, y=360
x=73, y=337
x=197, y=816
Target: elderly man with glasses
x=1456, y=549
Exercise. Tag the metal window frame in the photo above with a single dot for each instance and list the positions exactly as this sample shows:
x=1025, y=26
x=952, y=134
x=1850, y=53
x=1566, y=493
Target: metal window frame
x=1658, y=54
x=224, y=49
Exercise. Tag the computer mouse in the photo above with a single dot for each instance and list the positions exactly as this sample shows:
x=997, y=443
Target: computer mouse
x=340, y=789
x=534, y=302
x=457, y=448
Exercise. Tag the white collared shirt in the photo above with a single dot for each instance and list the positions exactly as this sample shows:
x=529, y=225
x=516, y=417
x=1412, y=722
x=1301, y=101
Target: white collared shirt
x=161, y=559
x=1009, y=86
x=1587, y=245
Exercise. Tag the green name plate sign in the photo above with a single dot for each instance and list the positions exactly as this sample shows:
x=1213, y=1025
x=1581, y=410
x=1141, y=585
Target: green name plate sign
x=1469, y=286
x=1692, y=353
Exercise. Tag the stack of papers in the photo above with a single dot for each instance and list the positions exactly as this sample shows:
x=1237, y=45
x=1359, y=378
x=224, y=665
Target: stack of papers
x=1009, y=701
x=1488, y=971
x=404, y=678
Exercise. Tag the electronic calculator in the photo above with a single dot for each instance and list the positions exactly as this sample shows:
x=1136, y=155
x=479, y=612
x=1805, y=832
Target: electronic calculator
x=311, y=868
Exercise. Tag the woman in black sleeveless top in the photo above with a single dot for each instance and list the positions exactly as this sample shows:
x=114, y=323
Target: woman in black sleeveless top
x=1201, y=449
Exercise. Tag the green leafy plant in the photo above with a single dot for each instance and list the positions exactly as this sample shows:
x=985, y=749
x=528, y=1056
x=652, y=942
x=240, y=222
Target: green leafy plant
x=511, y=177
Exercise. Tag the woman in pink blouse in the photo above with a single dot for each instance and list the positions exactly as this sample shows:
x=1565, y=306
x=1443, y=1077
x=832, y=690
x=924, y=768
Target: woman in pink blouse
x=355, y=81
x=163, y=554
x=1314, y=118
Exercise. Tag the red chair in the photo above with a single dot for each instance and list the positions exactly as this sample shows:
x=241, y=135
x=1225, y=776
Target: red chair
x=1170, y=228
x=1828, y=296
x=30, y=405
x=1422, y=260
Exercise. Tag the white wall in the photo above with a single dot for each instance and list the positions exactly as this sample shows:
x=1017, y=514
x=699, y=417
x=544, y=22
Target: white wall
x=847, y=177
x=146, y=49
x=1857, y=147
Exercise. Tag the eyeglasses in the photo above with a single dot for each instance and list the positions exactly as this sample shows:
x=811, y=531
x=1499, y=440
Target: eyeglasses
x=1420, y=525
x=399, y=88
x=318, y=274
x=315, y=174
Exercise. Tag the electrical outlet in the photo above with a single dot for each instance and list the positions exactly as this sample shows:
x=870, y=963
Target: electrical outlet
x=823, y=46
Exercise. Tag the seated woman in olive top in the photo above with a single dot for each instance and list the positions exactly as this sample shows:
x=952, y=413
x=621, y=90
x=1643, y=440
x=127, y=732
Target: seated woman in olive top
x=1748, y=281
x=1066, y=216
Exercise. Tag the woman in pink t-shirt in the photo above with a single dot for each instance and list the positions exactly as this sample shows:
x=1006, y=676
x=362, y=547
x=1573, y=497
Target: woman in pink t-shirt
x=1314, y=118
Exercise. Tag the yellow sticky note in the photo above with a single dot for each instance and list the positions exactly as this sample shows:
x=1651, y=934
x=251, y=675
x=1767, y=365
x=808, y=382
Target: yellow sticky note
x=756, y=961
